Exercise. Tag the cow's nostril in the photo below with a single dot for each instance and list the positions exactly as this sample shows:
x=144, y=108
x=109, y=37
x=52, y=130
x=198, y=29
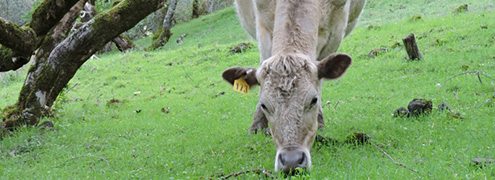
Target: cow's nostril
x=282, y=159
x=302, y=162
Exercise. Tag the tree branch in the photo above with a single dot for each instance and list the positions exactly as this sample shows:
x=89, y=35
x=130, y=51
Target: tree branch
x=20, y=42
x=68, y=56
x=20, y=39
x=48, y=14
x=478, y=73
x=390, y=157
x=9, y=60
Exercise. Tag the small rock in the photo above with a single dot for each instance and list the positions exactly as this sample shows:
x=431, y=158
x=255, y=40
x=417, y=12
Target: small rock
x=241, y=47
x=482, y=161
x=401, y=112
x=420, y=106
x=454, y=115
x=461, y=9
x=113, y=102
x=375, y=52
x=374, y=27
x=443, y=107
x=166, y=111
x=220, y=94
x=47, y=125
x=358, y=138
x=396, y=44
x=416, y=17
x=326, y=141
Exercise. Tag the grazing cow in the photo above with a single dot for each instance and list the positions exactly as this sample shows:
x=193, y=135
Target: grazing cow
x=297, y=41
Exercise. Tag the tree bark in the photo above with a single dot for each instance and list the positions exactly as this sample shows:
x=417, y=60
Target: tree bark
x=20, y=39
x=68, y=56
x=44, y=17
x=165, y=30
x=55, y=36
x=123, y=43
x=195, y=9
x=48, y=14
x=9, y=60
x=411, y=47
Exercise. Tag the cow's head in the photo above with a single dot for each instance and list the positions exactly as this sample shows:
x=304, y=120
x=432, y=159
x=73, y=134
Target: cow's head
x=290, y=96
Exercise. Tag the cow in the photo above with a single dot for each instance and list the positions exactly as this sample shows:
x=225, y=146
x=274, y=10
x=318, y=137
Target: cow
x=297, y=40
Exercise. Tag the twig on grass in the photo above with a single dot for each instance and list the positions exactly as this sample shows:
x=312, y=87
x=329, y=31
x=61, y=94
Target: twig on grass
x=478, y=73
x=391, y=158
x=257, y=171
x=336, y=104
x=458, y=101
x=89, y=155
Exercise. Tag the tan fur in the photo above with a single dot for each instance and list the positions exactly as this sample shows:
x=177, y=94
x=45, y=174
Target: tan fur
x=293, y=35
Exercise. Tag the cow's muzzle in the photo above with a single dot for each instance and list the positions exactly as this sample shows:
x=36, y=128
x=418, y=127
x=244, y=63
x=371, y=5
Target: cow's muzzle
x=290, y=160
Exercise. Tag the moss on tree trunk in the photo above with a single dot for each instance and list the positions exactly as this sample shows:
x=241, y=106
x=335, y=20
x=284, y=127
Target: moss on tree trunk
x=163, y=34
x=20, y=42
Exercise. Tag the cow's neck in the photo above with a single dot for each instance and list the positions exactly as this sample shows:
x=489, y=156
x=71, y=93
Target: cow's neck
x=296, y=28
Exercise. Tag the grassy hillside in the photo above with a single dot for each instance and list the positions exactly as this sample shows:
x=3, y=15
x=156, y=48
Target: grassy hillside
x=167, y=114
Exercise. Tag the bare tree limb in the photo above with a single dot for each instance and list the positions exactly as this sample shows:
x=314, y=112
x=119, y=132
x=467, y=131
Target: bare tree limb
x=465, y=73
x=391, y=158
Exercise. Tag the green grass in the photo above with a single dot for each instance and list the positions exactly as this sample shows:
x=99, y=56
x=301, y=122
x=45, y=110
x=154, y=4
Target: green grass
x=205, y=133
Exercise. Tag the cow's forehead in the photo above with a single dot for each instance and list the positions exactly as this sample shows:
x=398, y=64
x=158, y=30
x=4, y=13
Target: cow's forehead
x=287, y=77
x=295, y=66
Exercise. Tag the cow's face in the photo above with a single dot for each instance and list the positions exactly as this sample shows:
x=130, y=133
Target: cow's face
x=290, y=96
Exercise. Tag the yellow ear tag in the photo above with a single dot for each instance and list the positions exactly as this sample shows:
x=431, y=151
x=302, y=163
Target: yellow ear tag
x=240, y=85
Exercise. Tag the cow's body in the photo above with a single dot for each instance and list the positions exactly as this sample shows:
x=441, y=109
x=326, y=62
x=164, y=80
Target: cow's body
x=296, y=39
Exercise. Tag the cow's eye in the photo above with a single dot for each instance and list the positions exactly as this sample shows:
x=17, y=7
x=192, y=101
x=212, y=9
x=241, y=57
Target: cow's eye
x=313, y=102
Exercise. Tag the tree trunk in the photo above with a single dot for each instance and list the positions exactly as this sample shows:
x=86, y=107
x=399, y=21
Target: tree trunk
x=50, y=77
x=123, y=43
x=195, y=9
x=20, y=39
x=411, y=47
x=54, y=36
x=165, y=30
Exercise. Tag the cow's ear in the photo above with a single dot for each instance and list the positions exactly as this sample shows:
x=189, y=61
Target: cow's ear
x=233, y=73
x=334, y=66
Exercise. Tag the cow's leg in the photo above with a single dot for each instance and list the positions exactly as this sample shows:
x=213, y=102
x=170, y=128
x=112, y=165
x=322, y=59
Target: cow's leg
x=264, y=38
x=338, y=23
x=259, y=120
x=246, y=14
x=355, y=9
